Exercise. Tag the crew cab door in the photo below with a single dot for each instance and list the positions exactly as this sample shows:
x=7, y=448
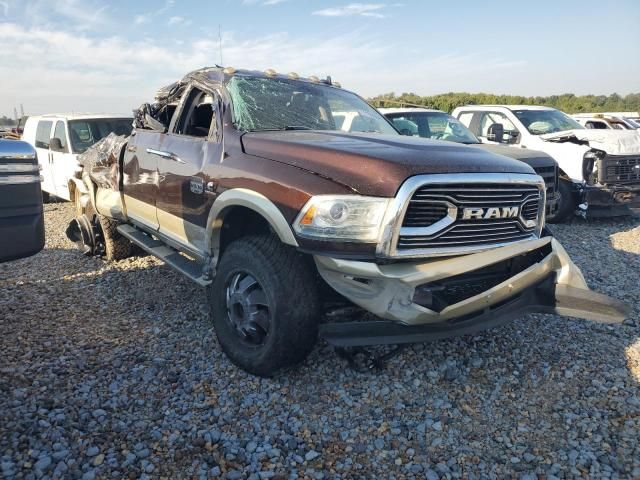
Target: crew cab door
x=63, y=162
x=140, y=176
x=185, y=192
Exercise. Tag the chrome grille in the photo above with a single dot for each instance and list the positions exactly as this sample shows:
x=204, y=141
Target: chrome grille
x=420, y=214
x=420, y=231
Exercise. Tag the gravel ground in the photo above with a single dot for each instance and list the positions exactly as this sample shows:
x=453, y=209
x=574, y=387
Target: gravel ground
x=113, y=371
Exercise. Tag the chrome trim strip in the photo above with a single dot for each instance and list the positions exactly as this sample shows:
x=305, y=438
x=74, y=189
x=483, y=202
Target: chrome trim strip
x=392, y=222
x=452, y=213
x=20, y=179
x=19, y=167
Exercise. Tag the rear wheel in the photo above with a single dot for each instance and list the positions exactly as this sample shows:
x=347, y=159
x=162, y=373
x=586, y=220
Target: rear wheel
x=113, y=245
x=264, y=304
x=566, y=203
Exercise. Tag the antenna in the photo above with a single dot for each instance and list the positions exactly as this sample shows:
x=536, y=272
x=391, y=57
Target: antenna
x=220, y=43
x=21, y=111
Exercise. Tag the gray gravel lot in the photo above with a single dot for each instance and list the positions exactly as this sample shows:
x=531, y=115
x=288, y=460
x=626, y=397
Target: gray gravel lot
x=113, y=371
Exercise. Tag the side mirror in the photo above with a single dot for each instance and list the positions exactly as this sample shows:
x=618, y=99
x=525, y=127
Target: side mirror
x=55, y=145
x=496, y=133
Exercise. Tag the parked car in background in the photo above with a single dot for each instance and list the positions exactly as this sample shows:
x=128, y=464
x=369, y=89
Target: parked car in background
x=21, y=214
x=244, y=182
x=59, y=139
x=599, y=169
x=604, y=121
x=438, y=125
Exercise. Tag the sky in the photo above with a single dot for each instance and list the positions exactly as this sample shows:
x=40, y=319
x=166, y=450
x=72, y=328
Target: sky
x=110, y=56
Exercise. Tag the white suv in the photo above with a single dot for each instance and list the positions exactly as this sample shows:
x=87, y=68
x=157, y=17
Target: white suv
x=599, y=169
x=59, y=139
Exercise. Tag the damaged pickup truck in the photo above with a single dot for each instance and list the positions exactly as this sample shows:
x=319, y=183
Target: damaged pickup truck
x=242, y=181
x=599, y=169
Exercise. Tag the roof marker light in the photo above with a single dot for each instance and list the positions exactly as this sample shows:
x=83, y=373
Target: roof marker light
x=314, y=79
x=270, y=72
x=229, y=70
x=337, y=84
x=294, y=76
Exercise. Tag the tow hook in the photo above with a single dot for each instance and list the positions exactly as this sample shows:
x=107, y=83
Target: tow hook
x=582, y=210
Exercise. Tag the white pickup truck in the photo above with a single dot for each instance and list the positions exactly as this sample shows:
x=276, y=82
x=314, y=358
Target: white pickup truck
x=599, y=169
x=59, y=139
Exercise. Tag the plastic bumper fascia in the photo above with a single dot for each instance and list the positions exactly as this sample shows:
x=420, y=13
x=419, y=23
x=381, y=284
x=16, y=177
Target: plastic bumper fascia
x=387, y=290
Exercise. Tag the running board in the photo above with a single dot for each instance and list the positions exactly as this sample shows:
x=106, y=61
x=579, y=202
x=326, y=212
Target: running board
x=168, y=255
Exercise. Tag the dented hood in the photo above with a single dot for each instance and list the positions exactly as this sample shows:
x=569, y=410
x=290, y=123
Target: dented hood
x=614, y=142
x=374, y=164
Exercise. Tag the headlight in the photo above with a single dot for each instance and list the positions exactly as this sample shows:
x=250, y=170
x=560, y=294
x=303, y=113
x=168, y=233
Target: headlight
x=589, y=165
x=349, y=218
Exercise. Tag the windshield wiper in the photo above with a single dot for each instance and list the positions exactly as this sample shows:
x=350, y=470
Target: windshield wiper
x=280, y=129
x=295, y=127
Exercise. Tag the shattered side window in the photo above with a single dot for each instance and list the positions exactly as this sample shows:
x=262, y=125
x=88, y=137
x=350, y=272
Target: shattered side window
x=277, y=104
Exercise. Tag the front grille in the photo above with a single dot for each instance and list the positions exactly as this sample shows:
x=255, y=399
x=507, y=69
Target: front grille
x=490, y=199
x=550, y=177
x=424, y=214
x=613, y=169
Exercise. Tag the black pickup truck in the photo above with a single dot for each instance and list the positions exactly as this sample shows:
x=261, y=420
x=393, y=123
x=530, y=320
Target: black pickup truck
x=245, y=182
x=21, y=215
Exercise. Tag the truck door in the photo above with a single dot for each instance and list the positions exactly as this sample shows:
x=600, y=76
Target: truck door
x=185, y=192
x=43, y=137
x=510, y=136
x=140, y=176
x=63, y=162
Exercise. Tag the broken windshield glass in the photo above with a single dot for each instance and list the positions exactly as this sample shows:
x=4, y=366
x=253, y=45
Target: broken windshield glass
x=261, y=104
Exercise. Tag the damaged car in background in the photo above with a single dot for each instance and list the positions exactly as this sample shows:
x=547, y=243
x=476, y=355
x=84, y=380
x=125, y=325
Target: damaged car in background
x=439, y=125
x=599, y=169
x=243, y=182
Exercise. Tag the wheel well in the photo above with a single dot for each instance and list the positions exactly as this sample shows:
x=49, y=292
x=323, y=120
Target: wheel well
x=239, y=222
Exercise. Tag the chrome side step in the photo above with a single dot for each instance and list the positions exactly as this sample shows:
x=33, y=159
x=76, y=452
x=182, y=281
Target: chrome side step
x=173, y=258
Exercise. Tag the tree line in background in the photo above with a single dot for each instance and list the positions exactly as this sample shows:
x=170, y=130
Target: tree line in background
x=567, y=102
x=6, y=121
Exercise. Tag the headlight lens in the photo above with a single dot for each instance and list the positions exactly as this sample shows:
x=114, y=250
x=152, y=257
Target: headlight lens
x=342, y=217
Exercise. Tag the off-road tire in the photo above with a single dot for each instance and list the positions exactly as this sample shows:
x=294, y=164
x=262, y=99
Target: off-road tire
x=566, y=204
x=290, y=285
x=116, y=247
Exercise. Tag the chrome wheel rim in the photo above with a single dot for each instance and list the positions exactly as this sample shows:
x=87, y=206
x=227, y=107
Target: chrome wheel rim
x=248, y=310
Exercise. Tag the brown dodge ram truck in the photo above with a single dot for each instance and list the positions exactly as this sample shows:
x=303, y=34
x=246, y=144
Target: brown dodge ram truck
x=243, y=181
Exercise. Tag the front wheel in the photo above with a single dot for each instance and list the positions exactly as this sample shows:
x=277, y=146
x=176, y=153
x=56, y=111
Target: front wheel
x=264, y=304
x=566, y=203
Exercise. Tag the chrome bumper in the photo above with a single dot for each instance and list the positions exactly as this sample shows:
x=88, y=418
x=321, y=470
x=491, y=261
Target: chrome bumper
x=388, y=290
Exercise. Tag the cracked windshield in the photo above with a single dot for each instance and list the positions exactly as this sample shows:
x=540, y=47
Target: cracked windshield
x=274, y=104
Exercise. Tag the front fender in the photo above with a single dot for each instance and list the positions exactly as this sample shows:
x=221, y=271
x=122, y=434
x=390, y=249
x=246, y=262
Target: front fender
x=242, y=197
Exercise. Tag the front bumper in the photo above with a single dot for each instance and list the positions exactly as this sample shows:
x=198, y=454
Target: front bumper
x=610, y=200
x=551, y=284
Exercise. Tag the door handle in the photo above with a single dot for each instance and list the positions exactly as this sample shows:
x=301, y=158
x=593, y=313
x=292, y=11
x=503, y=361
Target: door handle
x=167, y=155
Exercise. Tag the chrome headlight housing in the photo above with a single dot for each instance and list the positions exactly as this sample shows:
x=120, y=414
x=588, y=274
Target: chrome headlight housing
x=347, y=218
